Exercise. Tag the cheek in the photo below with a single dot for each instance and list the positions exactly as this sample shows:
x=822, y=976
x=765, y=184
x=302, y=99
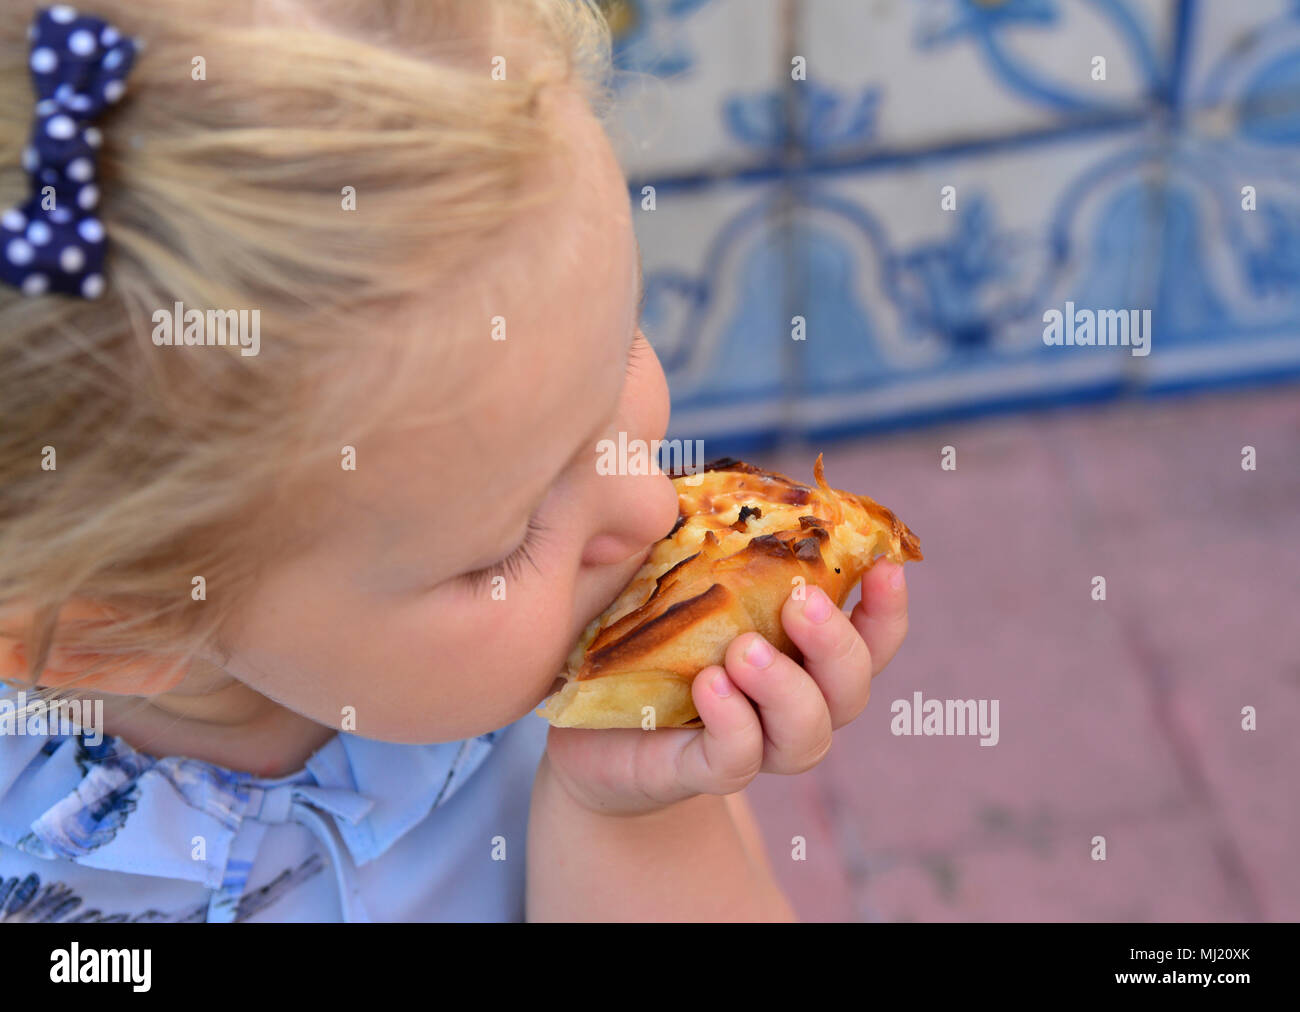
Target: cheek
x=438, y=667
x=471, y=663
x=308, y=646
x=515, y=640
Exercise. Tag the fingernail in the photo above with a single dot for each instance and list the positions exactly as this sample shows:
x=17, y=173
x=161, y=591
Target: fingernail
x=758, y=653
x=896, y=578
x=817, y=606
x=720, y=685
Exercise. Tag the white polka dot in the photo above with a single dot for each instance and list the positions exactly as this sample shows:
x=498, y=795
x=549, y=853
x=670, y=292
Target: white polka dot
x=49, y=175
x=61, y=128
x=72, y=259
x=60, y=216
x=93, y=286
x=79, y=103
x=94, y=137
x=63, y=13
x=47, y=107
x=20, y=252
x=35, y=284
x=114, y=90
x=31, y=160
x=82, y=42
x=112, y=59
x=44, y=60
x=14, y=220
x=109, y=35
x=80, y=170
x=91, y=230
x=38, y=233
x=88, y=197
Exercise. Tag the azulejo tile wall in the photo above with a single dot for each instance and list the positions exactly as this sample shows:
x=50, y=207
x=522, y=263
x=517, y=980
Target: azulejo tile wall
x=863, y=209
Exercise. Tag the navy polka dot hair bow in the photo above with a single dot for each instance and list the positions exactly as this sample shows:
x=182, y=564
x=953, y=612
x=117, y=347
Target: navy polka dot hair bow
x=54, y=242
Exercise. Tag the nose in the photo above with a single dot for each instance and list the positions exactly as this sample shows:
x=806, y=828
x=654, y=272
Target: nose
x=640, y=509
x=639, y=502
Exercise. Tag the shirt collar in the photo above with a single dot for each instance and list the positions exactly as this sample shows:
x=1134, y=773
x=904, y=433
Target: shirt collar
x=123, y=810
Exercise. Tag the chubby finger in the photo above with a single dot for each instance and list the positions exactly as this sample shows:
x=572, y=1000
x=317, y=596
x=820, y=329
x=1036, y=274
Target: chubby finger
x=834, y=653
x=881, y=615
x=728, y=753
x=796, y=725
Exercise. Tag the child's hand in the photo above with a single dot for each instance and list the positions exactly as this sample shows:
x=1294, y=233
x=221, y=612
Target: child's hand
x=777, y=718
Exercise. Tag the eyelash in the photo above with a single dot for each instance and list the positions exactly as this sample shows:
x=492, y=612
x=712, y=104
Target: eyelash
x=512, y=565
x=635, y=351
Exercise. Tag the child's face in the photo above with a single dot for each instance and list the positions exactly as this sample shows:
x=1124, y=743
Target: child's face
x=380, y=615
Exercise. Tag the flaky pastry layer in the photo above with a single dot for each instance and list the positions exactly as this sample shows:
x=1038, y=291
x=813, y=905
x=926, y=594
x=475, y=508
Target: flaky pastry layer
x=745, y=540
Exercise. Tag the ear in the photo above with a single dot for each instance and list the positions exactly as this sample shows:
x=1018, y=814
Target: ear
x=133, y=675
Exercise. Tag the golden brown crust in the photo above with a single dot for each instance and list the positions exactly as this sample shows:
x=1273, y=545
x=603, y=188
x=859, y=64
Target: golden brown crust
x=745, y=540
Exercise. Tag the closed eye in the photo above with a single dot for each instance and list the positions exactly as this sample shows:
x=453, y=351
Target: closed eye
x=512, y=565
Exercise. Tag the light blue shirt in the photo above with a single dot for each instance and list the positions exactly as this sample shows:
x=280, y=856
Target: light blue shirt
x=366, y=831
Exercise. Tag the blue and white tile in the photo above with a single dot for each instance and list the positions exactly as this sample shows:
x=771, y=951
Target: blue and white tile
x=716, y=283
x=1228, y=303
x=932, y=72
x=910, y=310
x=1243, y=63
x=944, y=313
x=682, y=66
x=1229, y=297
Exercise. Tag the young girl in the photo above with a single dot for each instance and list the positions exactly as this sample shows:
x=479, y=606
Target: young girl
x=270, y=563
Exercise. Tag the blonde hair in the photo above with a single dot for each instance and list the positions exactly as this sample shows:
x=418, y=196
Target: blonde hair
x=226, y=193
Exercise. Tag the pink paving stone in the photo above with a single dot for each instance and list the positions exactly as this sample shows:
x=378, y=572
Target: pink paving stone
x=1161, y=869
x=1125, y=710
x=1217, y=625
x=818, y=885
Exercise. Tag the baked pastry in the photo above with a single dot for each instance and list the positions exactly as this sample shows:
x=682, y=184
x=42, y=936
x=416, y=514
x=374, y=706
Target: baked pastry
x=745, y=538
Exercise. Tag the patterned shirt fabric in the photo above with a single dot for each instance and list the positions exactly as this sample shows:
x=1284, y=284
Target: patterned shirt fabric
x=365, y=831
